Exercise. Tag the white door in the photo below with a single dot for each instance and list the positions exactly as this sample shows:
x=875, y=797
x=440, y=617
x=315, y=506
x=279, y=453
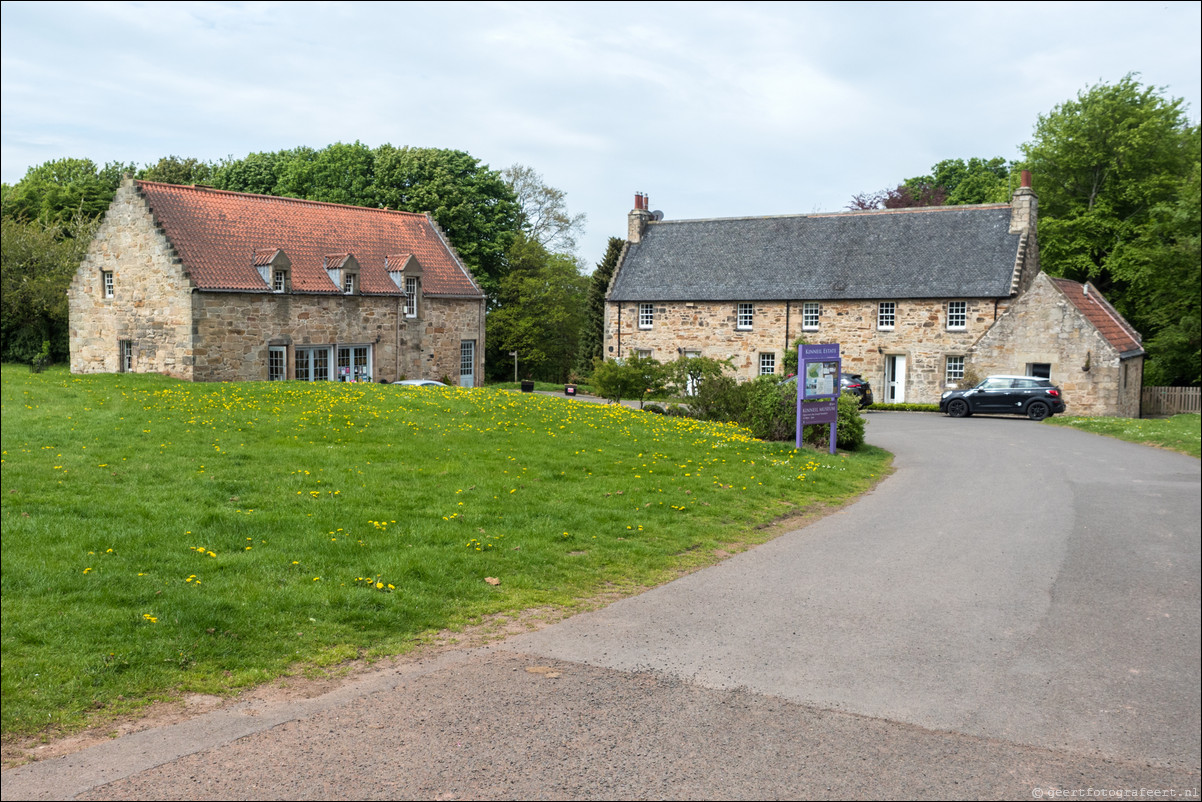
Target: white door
x=467, y=363
x=691, y=385
x=895, y=379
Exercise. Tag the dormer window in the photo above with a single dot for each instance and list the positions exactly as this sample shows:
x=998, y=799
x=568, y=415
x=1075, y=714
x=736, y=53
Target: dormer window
x=274, y=268
x=406, y=272
x=343, y=270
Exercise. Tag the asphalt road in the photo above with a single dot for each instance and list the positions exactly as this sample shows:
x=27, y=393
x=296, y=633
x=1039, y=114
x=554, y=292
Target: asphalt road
x=1013, y=614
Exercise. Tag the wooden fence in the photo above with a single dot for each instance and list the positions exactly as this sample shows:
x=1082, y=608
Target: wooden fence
x=1169, y=401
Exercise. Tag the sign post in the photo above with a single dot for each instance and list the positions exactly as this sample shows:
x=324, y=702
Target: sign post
x=819, y=383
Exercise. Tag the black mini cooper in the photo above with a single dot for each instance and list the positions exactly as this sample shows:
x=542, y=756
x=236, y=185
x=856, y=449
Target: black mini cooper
x=1005, y=395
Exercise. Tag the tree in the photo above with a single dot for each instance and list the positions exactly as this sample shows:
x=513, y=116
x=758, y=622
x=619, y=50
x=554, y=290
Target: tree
x=544, y=215
x=257, y=173
x=1111, y=168
x=60, y=190
x=952, y=182
x=632, y=377
x=538, y=312
x=176, y=170
x=592, y=328
x=472, y=204
x=37, y=261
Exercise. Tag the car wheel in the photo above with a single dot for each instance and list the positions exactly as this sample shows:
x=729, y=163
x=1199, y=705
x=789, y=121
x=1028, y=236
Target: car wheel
x=958, y=408
x=1038, y=411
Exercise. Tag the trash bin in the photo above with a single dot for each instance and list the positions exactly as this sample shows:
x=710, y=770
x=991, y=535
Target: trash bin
x=569, y=389
x=527, y=387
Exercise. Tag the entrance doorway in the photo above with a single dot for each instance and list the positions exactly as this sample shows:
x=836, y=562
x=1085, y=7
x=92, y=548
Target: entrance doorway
x=895, y=379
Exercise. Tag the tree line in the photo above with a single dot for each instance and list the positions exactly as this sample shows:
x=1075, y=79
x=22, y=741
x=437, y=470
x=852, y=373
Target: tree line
x=1116, y=171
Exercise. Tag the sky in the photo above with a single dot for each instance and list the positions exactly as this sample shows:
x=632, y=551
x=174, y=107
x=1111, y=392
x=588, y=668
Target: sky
x=714, y=109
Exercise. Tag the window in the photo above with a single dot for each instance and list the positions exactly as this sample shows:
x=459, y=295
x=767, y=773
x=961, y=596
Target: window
x=646, y=316
x=809, y=316
x=277, y=363
x=348, y=284
x=886, y=314
x=1040, y=370
x=957, y=315
x=107, y=276
x=954, y=371
x=643, y=353
x=125, y=356
x=279, y=281
x=467, y=363
x=354, y=363
x=744, y=316
x=411, y=297
x=767, y=364
x=313, y=364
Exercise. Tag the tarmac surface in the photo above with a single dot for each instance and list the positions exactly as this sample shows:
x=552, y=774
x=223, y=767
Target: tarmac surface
x=1015, y=613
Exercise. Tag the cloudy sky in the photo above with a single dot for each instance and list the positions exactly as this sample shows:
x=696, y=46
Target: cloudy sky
x=713, y=109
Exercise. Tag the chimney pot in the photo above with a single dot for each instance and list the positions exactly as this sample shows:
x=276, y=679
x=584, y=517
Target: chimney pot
x=1026, y=179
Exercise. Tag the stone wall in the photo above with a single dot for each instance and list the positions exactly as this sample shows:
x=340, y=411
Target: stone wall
x=447, y=322
x=233, y=331
x=151, y=305
x=920, y=334
x=1042, y=326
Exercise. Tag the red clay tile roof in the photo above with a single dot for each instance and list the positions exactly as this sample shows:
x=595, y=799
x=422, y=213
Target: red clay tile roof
x=221, y=236
x=1102, y=315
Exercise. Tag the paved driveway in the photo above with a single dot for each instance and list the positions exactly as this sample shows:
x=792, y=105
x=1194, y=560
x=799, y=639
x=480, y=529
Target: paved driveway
x=1017, y=608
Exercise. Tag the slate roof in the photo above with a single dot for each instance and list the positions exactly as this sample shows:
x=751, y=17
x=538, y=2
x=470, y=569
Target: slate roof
x=1105, y=318
x=938, y=252
x=221, y=237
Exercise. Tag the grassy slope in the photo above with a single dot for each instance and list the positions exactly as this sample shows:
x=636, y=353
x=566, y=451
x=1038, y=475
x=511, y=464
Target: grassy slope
x=1179, y=433
x=162, y=537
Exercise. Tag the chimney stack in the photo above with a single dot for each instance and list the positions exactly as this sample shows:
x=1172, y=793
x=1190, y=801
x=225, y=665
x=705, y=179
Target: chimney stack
x=638, y=218
x=1024, y=206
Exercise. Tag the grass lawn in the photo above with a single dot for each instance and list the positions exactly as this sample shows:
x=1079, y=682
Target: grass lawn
x=1179, y=433
x=163, y=537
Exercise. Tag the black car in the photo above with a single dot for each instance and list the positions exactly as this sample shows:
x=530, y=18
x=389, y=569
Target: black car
x=1006, y=395
x=855, y=384
x=852, y=383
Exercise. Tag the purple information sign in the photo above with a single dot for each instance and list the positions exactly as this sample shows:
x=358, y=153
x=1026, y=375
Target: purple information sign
x=819, y=377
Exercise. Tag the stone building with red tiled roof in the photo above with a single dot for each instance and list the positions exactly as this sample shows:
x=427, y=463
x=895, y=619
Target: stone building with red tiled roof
x=209, y=285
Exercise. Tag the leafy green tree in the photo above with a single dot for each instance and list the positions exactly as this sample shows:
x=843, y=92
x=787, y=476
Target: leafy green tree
x=472, y=204
x=338, y=173
x=544, y=212
x=37, y=261
x=537, y=312
x=687, y=375
x=177, y=170
x=59, y=191
x=1113, y=170
x=632, y=377
x=257, y=173
x=952, y=182
x=592, y=329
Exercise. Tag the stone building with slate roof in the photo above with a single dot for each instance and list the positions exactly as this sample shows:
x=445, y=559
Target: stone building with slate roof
x=915, y=297
x=209, y=285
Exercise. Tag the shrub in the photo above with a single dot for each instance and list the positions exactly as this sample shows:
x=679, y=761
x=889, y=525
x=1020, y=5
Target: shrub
x=849, y=431
x=633, y=377
x=770, y=410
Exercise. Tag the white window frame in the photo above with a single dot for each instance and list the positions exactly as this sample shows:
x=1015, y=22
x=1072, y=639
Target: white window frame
x=308, y=358
x=646, y=316
x=467, y=361
x=353, y=362
x=953, y=369
x=811, y=313
x=767, y=363
x=106, y=278
x=886, y=315
x=125, y=355
x=348, y=283
x=277, y=363
x=411, y=296
x=642, y=353
x=957, y=315
x=744, y=316
x=279, y=281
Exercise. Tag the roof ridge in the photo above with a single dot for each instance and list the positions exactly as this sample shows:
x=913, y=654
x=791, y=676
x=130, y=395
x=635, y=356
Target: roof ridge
x=201, y=188
x=846, y=213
